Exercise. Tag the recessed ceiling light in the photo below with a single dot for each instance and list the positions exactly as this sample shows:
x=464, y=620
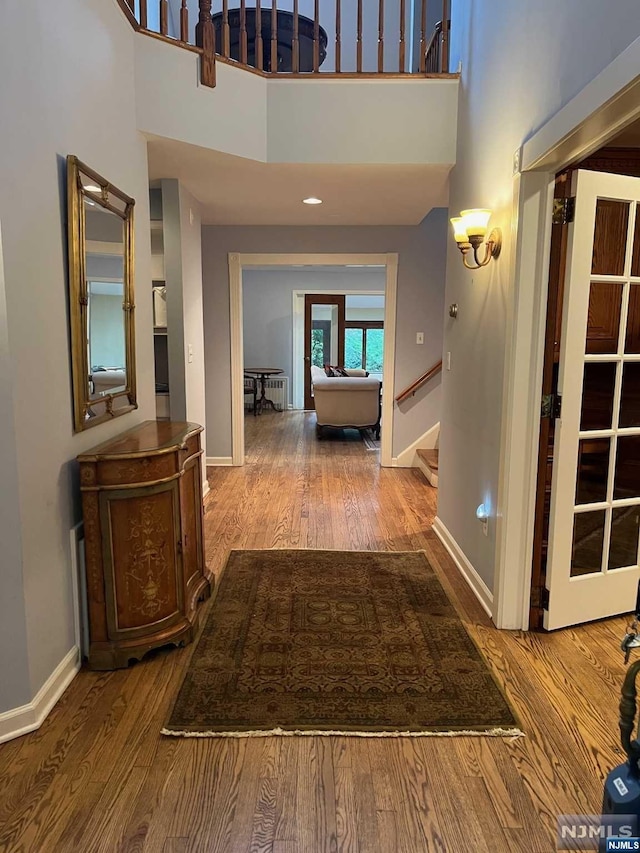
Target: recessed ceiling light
x=312, y=200
x=92, y=188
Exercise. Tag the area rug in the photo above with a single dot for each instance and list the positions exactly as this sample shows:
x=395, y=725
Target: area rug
x=336, y=642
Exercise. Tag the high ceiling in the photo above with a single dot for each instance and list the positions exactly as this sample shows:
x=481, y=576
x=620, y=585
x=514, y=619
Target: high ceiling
x=236, y=191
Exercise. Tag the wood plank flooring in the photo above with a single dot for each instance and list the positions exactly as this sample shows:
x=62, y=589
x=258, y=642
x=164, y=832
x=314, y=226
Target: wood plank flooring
x=97, y=776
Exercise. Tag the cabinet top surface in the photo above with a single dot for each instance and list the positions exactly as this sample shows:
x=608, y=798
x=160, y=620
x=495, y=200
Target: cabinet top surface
x=147, y=437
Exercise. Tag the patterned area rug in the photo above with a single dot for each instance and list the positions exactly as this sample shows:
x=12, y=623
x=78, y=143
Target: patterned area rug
x=335, y=642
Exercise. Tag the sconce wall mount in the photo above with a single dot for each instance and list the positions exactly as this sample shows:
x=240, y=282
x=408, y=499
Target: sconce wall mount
x=469, y=231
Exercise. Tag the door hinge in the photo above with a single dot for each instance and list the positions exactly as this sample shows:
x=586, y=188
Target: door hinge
x=564, y=210
x=540, y=597
x=544, y=598
x=551, y=406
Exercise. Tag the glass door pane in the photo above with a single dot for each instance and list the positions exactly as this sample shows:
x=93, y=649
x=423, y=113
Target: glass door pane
x=624, y=537
x=353, y=348
x=320, y=345
x=324, y=335
x=375, y=350
x=588, y=538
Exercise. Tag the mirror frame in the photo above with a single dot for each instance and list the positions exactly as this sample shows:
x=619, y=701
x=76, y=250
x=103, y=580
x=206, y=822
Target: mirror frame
x=112, y=404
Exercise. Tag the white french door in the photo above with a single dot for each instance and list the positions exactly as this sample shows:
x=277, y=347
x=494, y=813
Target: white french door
x=592, y=567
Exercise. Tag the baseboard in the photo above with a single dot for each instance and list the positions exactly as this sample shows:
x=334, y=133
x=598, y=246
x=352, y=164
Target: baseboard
x=478, y=586
x=431, y=476
x=220, y=461
x=27, y=718
x=427, y=441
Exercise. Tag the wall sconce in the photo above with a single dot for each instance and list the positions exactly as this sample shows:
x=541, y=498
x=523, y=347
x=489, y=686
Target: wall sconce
x=469, y=229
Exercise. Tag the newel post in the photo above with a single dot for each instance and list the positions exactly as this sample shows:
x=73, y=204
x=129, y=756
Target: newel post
x=206, y=39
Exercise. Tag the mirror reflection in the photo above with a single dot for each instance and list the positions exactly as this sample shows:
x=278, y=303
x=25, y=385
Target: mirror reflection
x=101, y=300
x=104, y=242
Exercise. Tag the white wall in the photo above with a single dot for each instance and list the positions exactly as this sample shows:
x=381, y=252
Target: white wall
x=521, y=62
x=294, y=121
x=396, y=121
x=268, y=308
x=231, y=118
x=54, y=73
x=420, y=308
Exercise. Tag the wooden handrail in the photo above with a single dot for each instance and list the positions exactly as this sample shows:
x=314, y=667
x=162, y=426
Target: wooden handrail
x=415, y=386
x=433, y=48
x=436, y=55
x=240, y=39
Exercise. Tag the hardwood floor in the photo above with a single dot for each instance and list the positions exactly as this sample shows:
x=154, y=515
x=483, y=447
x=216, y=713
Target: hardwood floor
x=97, y=776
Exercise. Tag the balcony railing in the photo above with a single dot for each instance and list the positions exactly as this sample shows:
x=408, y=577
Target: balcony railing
x=310, y=38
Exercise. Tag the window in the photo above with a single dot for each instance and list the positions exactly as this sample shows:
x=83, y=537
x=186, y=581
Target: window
x=364, y=345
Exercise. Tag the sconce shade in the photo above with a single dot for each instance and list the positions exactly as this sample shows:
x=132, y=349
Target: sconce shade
x=475, y=221
x=459, y=231
x=469, y=230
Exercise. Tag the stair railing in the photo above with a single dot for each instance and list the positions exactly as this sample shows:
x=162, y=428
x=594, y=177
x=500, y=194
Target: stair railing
x=410, y=390
x=138, y=14
x=248, y=36
x=436, y=55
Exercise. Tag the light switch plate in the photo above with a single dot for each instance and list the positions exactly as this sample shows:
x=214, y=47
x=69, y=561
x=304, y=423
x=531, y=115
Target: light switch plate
x=419, y=337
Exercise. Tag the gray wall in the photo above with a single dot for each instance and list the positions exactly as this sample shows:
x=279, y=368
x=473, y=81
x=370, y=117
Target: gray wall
x=54, y=76
x=267, y=309
x=421, y=271
x=15, y=688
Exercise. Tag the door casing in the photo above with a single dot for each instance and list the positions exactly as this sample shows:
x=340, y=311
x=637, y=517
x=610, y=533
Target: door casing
x=236, y=262
x=311, y=299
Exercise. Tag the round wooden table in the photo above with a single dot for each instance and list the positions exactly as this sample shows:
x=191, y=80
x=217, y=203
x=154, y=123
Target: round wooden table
x=285, y=30
x=263, y=374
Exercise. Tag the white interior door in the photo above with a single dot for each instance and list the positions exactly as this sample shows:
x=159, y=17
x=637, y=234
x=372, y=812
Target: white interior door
x=592, y=568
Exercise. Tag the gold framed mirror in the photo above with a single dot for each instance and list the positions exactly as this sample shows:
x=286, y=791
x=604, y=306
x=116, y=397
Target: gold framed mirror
x=101, y=297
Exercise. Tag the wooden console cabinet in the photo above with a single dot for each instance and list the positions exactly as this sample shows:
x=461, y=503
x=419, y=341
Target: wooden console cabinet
x=144, y=549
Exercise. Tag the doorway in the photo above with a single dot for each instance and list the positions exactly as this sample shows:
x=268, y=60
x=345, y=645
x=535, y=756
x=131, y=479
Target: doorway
x=387, y=261
x=595, y=117
x=591, y=566
x=324, y=325
x=599, y=385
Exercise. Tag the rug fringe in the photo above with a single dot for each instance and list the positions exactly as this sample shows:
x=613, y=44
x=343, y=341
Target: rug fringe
x=497, y=732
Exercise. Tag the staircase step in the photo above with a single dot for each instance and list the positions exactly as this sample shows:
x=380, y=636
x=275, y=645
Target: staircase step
x=430, y=458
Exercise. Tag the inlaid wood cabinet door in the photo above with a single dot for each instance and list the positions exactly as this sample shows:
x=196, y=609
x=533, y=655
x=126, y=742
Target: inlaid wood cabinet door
x=144, y=583
x=144, y=547
x=190, y=501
